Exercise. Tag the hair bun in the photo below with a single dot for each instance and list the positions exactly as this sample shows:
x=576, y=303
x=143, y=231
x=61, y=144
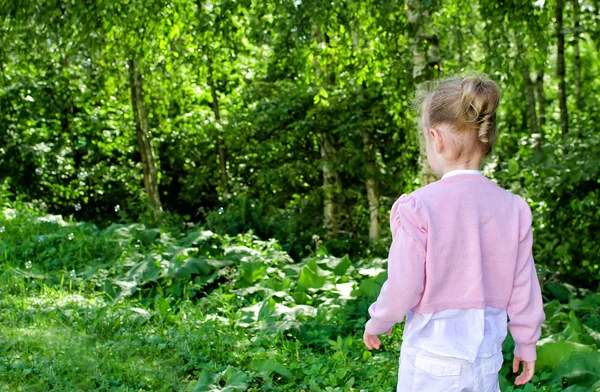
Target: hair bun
x=479, y=100
x=467, y=104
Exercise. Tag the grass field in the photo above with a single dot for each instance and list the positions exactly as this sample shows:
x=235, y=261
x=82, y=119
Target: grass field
x=130, y=308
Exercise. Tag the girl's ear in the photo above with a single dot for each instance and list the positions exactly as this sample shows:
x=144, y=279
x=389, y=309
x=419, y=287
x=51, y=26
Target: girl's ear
x=438, y=139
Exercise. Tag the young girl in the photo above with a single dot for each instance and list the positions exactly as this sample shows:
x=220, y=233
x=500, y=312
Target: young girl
x=460, y=260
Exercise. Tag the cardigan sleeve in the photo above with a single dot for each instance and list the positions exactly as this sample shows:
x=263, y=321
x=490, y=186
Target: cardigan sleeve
x=406, y=266
x=525, y=307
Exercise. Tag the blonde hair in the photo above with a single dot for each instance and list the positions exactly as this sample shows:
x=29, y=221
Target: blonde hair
x=466, y=104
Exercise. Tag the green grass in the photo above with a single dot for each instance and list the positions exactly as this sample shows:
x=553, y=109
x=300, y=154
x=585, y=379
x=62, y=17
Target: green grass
x=131, y=308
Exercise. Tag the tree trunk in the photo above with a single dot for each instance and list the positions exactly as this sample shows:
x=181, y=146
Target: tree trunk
x=371, y=166
x=529, y=88
x=560, y=44
x=372, y=191
x=332, y=184
x=426, y=64
x=144, y=138
x=541, y=99
x=221, y=149
x=576, y=61
x=530, y=100
x=541, y=105
x=220, y=141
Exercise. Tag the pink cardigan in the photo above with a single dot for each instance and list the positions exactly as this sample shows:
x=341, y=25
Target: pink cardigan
x=462, y=243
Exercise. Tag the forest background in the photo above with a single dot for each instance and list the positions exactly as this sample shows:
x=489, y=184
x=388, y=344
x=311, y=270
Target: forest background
x=228, y=167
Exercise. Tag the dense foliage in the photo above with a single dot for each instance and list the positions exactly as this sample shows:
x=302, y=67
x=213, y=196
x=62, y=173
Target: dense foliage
x=140, y=138
x=292, y=118
x=172, y=308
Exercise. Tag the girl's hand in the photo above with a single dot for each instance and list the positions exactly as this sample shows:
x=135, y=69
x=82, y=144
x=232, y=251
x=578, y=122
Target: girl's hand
x=528, y=370
x=372, y=340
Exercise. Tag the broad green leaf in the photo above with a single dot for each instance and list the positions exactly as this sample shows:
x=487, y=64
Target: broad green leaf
x=269, y=366
x=162, y=305
x=193, y=266
x=208, y=382
x=235, y=380
x=550, y=352
x=312, y=276
x=578, y=368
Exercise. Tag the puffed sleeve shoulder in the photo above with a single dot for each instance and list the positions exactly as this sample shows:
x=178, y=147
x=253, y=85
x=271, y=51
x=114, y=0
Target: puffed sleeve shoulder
x=403, y=288
x=408, y=213
x=525, y=218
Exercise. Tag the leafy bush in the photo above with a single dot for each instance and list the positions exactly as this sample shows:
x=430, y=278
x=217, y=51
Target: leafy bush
x=260, y=319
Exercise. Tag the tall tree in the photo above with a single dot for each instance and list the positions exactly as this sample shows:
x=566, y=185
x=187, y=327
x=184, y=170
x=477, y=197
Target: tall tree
x=529, y=87
x=368, y=142
x=560, y=68
x=212, y=33
x=144, y=137
x=576, y=60
x=426, y=61
x=220, y=141
x=541, y=103
x=332, y=184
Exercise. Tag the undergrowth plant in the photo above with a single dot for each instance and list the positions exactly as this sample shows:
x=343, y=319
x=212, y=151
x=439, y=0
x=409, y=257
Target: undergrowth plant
x=131, y=307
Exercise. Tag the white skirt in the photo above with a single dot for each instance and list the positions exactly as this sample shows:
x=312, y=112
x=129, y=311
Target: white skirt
x=421, y=371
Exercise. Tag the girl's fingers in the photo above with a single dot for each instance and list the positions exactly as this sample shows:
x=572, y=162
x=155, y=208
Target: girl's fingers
x=376, y=342
x=516, y=363
x=367, y=340
x=372, y=341
x=527, y=374
x=524, y=378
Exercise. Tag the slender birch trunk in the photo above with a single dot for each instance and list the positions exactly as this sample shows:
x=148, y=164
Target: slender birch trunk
x=371, y=166
x=426, y=64
x=332, y=184
x=560, y=45
x=221, y=148
x=541, y=106
x=144, y=138
x=529, y=87
x=540, y=98
x=220, y=140
x=577, y=60
x=372, y=186
x=530, y=101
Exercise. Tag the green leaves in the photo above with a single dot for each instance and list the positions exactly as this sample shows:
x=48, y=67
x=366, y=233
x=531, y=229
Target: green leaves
x=551, y=352
x=311, y=276
x=265, y=319
x=233, y=380
x=268, y=367
x=580, y=368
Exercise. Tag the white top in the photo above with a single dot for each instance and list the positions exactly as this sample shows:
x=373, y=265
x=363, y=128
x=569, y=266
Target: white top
x=459, y=333
x=461, y=171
